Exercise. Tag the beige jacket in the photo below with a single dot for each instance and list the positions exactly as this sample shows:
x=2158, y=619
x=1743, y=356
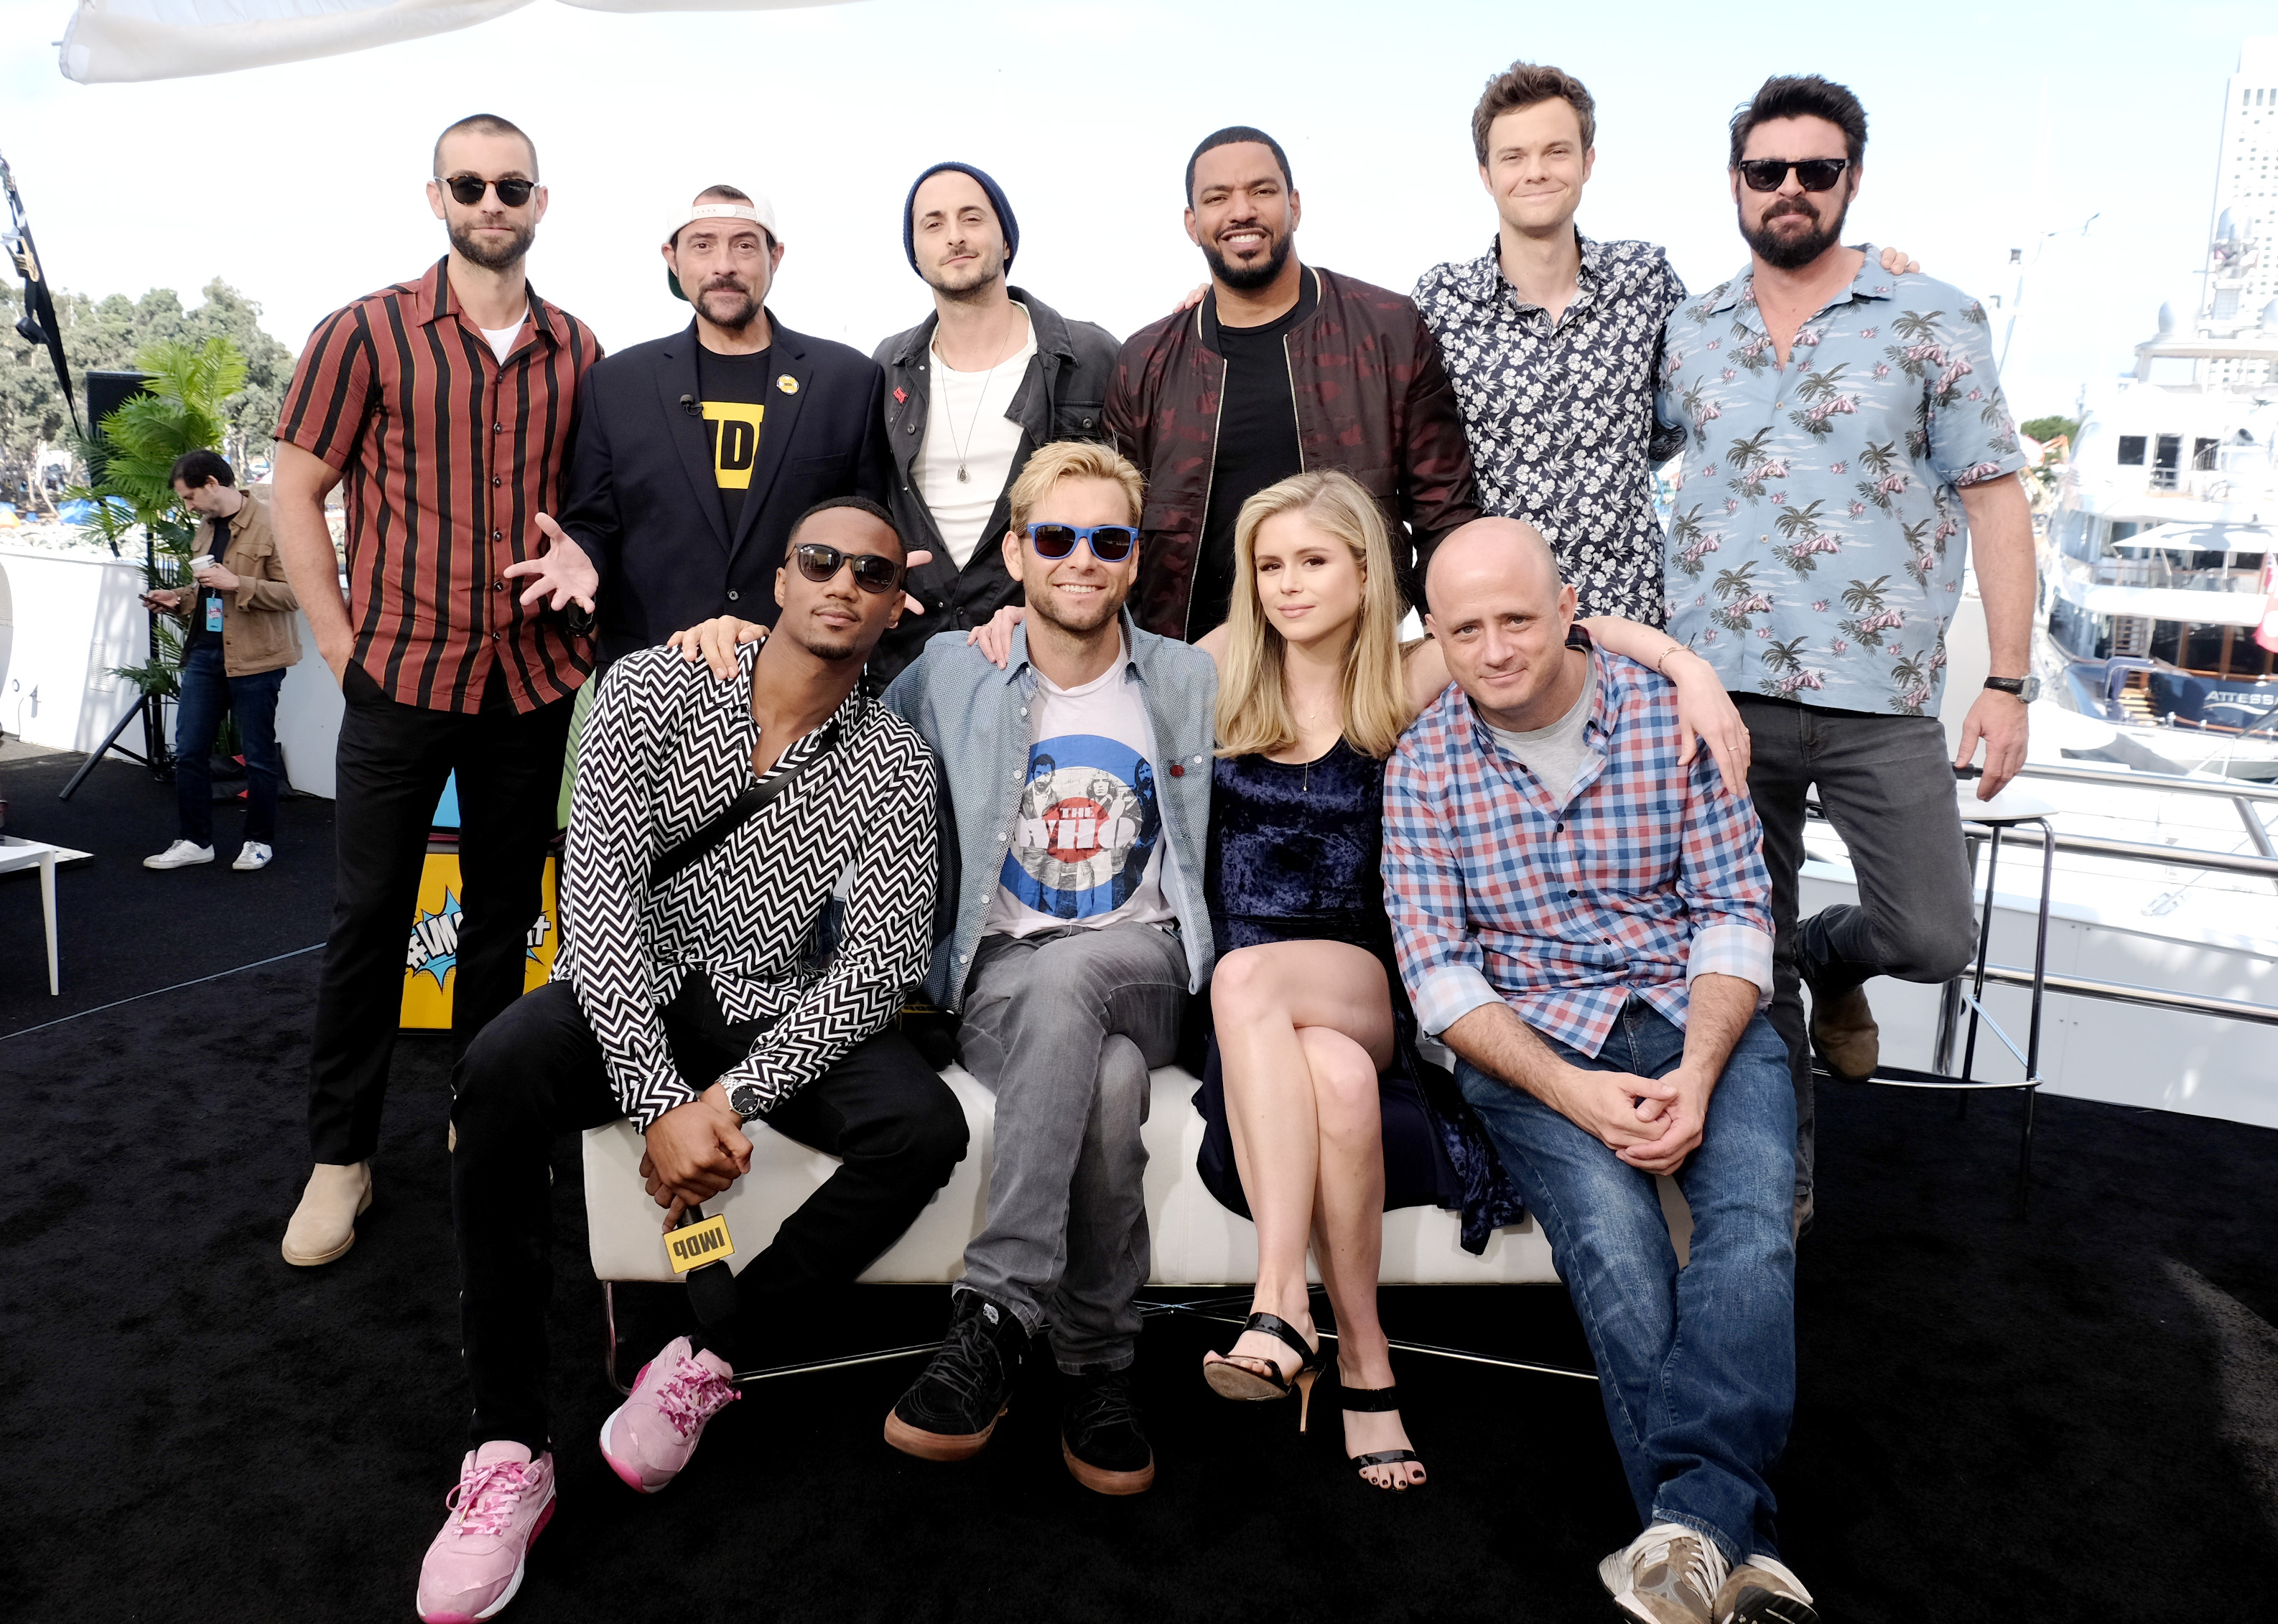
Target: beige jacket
x=257, y=629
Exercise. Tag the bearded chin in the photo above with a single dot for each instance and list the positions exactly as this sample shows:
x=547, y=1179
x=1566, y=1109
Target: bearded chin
x=736, y=319
x=1249, y=279
x=471, y=248
x=1784, y=252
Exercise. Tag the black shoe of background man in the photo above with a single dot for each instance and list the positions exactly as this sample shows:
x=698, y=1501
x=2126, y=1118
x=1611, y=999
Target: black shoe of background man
x=1102, y=1438
x=950, y=1411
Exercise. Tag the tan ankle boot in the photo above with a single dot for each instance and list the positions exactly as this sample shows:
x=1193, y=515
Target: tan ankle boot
x=324, y=1224
x=1843, y=1032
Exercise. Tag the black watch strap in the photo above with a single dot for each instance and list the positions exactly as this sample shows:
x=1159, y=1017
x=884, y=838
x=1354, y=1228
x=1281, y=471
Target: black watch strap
x=2007, y=684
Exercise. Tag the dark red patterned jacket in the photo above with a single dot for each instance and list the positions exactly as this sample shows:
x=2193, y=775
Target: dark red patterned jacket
x=1372, y=399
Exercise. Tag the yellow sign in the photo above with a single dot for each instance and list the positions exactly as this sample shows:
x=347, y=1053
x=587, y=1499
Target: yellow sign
x=698, y=1244
x=733, y=428
x=431, y=955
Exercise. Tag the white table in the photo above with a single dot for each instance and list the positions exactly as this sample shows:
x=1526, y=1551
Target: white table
x=16, y=854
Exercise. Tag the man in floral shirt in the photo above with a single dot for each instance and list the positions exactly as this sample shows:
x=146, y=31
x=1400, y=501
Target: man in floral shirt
x=1847, y=441
x=1552, y=342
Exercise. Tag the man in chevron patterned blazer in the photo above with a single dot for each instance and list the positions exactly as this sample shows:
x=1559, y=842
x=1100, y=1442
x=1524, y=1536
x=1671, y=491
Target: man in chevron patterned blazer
x=746, y=895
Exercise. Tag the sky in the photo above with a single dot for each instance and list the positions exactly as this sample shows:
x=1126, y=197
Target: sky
x=1989, y=129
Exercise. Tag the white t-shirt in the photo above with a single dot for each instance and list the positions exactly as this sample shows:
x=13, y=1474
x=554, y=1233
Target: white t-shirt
x=502, y=341
x=1554, y=754
x=1087, y=845
x=966, y=409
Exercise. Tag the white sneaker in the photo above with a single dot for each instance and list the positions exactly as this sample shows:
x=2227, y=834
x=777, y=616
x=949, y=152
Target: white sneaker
x=255, y=855
x=1761, y=1590
x=1668, y=1574
x=181, y=854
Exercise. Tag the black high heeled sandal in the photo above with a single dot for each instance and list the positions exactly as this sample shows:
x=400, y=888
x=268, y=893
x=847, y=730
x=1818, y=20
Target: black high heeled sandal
x=1372, y=1400
x=1230, y=1380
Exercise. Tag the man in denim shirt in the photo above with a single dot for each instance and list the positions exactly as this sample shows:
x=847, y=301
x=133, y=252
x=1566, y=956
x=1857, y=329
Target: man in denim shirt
x=1844, y=423
x=1077, y=782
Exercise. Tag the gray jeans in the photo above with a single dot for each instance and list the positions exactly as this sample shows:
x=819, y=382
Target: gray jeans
x=1064, y=1026
x=1886, y=784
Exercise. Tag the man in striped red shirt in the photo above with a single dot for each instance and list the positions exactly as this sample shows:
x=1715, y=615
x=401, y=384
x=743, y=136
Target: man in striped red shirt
x=446, y=406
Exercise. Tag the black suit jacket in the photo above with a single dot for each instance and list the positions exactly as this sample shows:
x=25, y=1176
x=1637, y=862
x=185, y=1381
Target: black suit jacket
x=642, y=502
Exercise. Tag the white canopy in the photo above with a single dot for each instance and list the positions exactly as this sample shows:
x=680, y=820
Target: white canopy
x=112, y=42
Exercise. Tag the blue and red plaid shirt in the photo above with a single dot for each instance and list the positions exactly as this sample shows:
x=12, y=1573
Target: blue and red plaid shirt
x=1646, y=874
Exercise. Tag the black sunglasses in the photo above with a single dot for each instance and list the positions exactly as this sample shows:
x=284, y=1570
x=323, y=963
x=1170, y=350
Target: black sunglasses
x=1110, y=543
x=513, y=191
x=1769, y=174
x=873, y=572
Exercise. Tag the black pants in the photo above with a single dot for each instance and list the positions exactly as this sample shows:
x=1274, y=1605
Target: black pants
x=536, y=1072
x=1886, y=784
x=391, y=766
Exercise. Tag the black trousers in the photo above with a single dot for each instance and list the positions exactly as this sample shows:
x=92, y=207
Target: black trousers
x=536, y=1072
x=391, y=766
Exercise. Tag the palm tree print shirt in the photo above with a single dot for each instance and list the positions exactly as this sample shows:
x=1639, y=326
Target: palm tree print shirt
x=1560, y=414
x=1817, y=542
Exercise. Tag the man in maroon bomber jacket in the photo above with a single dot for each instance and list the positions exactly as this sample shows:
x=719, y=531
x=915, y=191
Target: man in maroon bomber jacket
x=1282, y=367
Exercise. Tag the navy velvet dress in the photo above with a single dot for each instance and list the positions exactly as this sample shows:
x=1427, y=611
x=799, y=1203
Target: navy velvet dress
x=1293, y=852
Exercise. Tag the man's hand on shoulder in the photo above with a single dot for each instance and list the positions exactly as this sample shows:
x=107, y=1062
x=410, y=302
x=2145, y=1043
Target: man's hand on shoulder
x=715, y=642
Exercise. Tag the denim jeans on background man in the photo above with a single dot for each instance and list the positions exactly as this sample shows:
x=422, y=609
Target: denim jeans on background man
x=209, y=693
x=1886, y=784
x=1063, y=1028
x=1696, y=1366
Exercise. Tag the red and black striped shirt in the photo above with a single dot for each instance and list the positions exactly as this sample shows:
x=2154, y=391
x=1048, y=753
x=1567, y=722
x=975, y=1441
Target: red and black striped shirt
x=449, y=457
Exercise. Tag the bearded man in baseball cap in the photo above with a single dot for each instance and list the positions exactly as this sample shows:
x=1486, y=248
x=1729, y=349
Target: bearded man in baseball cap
x=696, y=453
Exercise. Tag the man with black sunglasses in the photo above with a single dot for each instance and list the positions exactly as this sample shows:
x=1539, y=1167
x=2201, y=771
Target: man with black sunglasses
x=708, y=978
x=696, y=453
x=1077, y=784
x=447, y=404
x=1846, y=443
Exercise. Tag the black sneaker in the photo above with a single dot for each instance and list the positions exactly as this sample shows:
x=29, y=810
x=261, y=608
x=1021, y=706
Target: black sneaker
x=950, y=1411
x=1101, y=1435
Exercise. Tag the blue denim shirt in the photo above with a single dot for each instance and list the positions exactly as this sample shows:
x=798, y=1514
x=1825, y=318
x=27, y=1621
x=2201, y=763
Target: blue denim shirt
x=1816, y=545
x=976, y=719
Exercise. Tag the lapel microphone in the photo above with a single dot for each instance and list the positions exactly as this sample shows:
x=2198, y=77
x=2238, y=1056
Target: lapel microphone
x=688, y=404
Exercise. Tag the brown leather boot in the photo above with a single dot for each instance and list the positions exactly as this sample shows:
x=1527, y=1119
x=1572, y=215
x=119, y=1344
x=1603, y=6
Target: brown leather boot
x=324, y=1225
x=1844, y=1033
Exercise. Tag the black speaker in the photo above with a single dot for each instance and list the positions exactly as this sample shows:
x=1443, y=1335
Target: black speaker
x=106, y=393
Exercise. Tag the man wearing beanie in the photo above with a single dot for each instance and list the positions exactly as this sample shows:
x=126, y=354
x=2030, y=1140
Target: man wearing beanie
x=970, y=393
x=696, y=453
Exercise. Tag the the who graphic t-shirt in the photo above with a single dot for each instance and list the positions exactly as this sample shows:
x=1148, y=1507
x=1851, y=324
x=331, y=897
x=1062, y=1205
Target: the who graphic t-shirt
x=1086, y=844
x=735, y=403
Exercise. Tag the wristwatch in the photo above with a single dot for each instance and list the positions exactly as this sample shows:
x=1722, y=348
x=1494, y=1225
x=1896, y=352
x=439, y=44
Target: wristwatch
x=2026, y=688
x=747, y=1100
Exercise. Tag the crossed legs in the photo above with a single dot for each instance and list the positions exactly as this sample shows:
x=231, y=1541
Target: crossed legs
x=1303, y=1028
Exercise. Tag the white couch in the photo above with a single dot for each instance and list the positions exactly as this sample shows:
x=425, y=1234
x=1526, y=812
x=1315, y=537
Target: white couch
x=1197, y=1241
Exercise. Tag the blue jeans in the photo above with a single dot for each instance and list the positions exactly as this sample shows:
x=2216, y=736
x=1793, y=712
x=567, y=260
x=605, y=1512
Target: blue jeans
x=208, y=693
x=1696, y=1366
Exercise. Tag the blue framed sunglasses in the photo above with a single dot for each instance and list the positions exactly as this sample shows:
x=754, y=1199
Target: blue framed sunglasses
x=1110, y=543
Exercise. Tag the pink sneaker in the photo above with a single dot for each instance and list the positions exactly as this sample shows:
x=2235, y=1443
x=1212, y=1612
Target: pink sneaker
x=503, y=1504
x=651, y=1435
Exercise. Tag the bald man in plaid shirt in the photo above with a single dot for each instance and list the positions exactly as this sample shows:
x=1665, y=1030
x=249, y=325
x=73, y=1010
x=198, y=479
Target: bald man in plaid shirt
x=1582, y=915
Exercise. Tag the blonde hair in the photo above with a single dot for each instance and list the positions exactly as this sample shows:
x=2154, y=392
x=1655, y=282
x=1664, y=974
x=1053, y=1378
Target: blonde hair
x=1073, y=460
x=1253, y=699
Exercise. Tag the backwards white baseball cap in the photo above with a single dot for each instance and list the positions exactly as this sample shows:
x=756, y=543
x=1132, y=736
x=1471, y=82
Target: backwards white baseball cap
x=759, y=211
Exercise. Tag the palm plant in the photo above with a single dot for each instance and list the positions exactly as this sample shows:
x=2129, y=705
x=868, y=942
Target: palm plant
x=179, y=410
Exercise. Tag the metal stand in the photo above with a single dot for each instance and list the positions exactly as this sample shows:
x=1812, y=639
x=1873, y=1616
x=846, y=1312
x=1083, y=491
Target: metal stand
x=111, y=743
x=1985, y=826
x=1211, y=1307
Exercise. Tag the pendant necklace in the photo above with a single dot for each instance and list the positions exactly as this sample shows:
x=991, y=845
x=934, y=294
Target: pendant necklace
x=972, y=425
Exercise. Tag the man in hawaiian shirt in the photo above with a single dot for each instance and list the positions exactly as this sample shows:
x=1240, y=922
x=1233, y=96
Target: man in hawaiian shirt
x=1845, y=441
x=1552, y=342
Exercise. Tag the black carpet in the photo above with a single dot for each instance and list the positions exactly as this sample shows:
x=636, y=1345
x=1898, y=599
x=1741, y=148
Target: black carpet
x=2072, y=1417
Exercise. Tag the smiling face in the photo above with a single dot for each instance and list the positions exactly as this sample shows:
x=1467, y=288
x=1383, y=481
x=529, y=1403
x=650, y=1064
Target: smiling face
x=1537, y=166
x=1078, y=593
x=1500, y=614
x=725, y=267
x=1310, y=584
x=835, y=620
x=959, y=242
x=487, y=233
x=1789, y=228
x=1242, y=214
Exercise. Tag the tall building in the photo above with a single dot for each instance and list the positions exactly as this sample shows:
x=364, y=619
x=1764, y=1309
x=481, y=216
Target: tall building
x=2239, y=305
